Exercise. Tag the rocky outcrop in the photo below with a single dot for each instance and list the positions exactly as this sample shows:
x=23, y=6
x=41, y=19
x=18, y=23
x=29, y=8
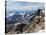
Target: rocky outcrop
x=28, y=24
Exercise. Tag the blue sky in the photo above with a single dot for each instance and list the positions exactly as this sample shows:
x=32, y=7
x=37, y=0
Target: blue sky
x=22, y=5
x=17, y=5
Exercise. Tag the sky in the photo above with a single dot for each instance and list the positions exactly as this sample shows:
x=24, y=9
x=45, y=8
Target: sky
x=22, y=5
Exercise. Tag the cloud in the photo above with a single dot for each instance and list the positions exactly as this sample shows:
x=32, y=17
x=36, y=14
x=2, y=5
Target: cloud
x=27, y=7
x=20, y=5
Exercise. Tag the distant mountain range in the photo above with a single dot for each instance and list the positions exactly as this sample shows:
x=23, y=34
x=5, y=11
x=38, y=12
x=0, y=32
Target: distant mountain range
x=17, y=15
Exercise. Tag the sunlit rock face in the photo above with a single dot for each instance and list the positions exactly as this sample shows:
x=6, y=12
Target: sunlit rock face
x=21, y=16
